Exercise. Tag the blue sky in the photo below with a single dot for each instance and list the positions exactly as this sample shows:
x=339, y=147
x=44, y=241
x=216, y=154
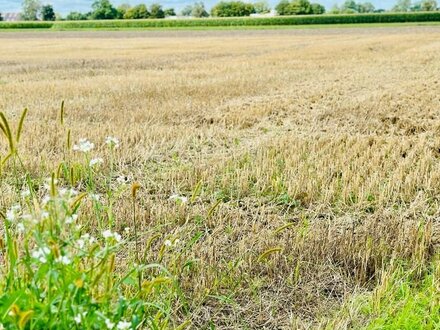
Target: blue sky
x=64, y=7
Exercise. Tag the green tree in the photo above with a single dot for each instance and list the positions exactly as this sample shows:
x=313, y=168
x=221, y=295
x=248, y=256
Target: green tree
x=30, y=10
x=186, y=11
x=198, y=10
x=76, y=16
x=335, y=10
x=366, y=7
x=428, y=5
x=169, y=12
x=137, y=12
x=350, y=6
x=317, y=9
x=300, y=7
x=261, y=7
x=282, y=7
x=156, y=11
x=1, y=17
x=47, y=13
x=416, y=6
x=103, y=9
x=232, y=9
x=402, y=6
x=122, y=9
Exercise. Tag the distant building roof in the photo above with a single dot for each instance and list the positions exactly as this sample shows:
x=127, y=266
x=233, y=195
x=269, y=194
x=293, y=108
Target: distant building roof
x=11, y=17
x=269, y=14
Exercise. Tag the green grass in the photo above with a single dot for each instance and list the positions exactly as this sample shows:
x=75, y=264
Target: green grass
x=406, y=299
x=407, y=302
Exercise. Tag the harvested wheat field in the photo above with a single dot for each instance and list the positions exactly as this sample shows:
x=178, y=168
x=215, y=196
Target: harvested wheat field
x=284, y=179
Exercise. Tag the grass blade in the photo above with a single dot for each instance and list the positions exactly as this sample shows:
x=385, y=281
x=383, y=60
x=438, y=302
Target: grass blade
x=20, y=124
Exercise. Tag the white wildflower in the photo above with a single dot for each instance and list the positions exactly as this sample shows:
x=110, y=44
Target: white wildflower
x=83, y=145
x=169, y=243
x=26, y=217
x=78, y=318
x=96, y=161
x=20, y=227
x=122, y=179
x=108, y=234
x=80, y=243
x=25, y=193
x=71, y=219
x=88, y=238
x=179, y=199
x=45, y=200
x=85, y=239
x=112, y=142
x=63, y=260
x=123, y=325
x=73, y=192
x=12, y=213
x=95, y=197
x=41, y=254
x=109, y=324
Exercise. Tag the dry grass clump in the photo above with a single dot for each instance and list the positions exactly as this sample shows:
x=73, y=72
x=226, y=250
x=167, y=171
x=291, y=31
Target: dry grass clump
x=303, y=166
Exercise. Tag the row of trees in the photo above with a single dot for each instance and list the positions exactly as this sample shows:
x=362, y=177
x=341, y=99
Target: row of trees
x=353, y=7
x=33, y=10
x=424, y=5
x=104, y=9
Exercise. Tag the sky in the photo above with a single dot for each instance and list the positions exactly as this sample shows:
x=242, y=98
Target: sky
x=64, y=7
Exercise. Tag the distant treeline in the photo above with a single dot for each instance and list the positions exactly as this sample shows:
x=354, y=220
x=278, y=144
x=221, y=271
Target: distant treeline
x=231, y=21
x=33, y=10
